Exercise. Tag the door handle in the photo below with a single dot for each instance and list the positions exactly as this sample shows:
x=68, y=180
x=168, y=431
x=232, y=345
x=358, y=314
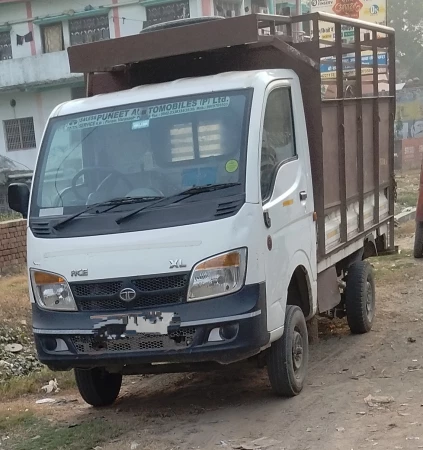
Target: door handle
x=303, y=196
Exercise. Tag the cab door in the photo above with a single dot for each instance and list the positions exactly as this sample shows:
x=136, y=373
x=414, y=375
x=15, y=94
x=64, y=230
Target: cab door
x=286, y=194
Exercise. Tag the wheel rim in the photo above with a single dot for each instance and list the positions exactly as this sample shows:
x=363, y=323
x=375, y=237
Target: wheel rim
x=297, y=351
x=370, y=304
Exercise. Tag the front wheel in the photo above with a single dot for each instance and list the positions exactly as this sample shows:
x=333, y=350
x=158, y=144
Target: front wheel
x=97, y=386
x=360, y=297
x=287, y=360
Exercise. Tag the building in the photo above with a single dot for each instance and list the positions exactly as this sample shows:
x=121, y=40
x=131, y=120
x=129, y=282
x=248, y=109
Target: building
x=34, y=69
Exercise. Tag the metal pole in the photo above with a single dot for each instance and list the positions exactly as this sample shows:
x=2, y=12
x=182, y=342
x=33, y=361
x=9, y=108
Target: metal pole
x=298, y=8
x=299, y=12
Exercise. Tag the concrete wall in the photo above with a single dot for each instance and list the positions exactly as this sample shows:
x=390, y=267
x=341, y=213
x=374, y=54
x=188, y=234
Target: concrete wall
x=29, y=104
x=410, y=153
x=38, y=70
x=12, y=245
x=125, y=17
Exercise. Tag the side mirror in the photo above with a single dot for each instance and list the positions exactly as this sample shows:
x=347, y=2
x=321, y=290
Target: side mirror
x=18, y=197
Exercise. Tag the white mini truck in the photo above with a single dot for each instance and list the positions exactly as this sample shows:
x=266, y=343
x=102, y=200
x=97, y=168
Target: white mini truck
x=211, y=194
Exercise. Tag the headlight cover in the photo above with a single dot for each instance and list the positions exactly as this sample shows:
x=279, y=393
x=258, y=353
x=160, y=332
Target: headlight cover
x=52, y=291
x=220, y=275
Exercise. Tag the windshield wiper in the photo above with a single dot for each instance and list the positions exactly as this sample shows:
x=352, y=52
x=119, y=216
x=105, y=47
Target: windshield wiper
x=178, y=197
x=112, y=203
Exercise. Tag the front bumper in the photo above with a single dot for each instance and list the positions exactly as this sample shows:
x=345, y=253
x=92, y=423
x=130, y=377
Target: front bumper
x=244, y=312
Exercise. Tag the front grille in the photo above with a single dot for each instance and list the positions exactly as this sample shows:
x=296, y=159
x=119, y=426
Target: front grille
x=159, y=284
x=150, y=292
x=112, y=304
x=97, y=289
x=178, y=340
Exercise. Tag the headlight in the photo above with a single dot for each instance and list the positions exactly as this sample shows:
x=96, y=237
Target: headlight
x=220, y=275
x=52, y=291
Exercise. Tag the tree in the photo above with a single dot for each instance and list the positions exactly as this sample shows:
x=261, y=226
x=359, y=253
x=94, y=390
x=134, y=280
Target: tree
x=406, y=16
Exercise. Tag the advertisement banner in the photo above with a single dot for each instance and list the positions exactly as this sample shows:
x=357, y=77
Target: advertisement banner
x=373, y=11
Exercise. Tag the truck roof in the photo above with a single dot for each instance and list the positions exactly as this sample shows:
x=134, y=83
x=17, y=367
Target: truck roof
x=177, y=88
x=251, y=30
x=251, y=42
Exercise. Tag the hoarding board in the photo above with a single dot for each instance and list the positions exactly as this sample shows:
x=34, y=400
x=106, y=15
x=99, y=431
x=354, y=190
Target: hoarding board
x=372, y=11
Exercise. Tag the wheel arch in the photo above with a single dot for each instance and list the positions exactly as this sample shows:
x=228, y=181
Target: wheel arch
x=300, y=292
x=369, y=247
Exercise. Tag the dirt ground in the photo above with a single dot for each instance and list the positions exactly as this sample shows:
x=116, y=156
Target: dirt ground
x=231, y=409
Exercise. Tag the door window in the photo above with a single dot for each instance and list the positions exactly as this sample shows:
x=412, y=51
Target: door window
x=278, y=140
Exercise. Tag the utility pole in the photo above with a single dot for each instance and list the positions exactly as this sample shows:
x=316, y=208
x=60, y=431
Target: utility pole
x=298, y=12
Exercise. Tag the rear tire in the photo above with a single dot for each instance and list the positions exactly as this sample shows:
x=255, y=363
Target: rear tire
x=97, y=386
x=418, y=241
x=287, y=360
x=360, y=297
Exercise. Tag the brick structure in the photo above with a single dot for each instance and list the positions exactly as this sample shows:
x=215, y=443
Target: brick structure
x=12, y=245
x=411, y=153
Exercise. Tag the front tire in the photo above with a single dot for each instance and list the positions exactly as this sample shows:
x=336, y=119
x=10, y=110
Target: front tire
x=97, y=386
x=287, y=360
x=360, y=297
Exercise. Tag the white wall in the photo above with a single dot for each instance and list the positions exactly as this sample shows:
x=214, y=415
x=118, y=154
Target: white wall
x=126, y=19
x=126, y=16
x=29, y=104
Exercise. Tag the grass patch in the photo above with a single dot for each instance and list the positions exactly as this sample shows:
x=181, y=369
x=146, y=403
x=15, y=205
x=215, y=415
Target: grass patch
x=15, y=308
x=14, y=299
x=31, y=384
x=10, y=216
x=407, y=199
x=387, y=260
x=29, y=432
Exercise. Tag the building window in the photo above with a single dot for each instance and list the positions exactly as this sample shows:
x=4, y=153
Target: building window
x=52, y=37
x=89, y=29
x=226, y=9
x=5, y=46
x=167, y=12
x=20, y=134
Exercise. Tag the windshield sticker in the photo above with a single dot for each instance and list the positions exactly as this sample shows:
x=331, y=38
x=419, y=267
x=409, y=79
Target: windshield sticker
x=140, y=124
x=231, y=166
x=98, y=120
x=45, y=212
x=175, y=108
x=141, y=116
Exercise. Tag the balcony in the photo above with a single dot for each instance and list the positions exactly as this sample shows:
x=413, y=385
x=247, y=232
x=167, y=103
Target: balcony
x=32, y=72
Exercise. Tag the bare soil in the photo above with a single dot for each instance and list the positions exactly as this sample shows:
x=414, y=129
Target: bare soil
x=233, y=408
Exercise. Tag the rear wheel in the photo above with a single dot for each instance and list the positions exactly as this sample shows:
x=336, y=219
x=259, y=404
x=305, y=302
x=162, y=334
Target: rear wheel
x=418, y=240
x=97, y=386
x=287, y=360
x=360, y=300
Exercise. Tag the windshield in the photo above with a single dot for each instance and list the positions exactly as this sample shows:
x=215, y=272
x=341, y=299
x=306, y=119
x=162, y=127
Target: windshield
x=154, y=149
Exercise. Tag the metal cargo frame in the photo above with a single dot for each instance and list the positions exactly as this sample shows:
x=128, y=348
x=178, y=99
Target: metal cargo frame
x=351, y=137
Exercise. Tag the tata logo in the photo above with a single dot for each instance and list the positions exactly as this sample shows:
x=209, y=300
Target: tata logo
x=79, y=273
x=176, y=264
x=127, y=294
